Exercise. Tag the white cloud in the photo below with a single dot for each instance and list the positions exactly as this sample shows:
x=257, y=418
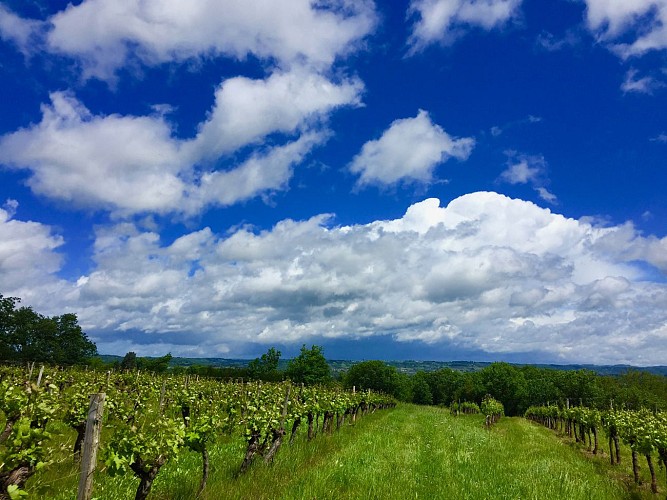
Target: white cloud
x=28, y=259
x=134, y=164
x=409, y=149
x=546, y=195
x=440, y=21
x=485, y=272
x=499, y=130
x=246, y=110
x=644, y=22
x=21, y=32
x=260, y=173
x=131, y=163
x=523, y=172
x=526, y=169
x=643, y=85
x=662, y=137
x=105, y=34
x=551, y=43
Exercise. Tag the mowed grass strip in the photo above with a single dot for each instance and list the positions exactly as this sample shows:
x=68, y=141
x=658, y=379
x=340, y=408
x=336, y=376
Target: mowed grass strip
x=422, y=452
x=408, y=452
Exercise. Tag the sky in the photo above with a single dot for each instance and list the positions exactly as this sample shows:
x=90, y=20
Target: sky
x=423, y=179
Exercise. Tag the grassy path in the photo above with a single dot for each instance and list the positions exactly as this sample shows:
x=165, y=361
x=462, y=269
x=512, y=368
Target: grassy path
x=408, y=452
x=425, y=453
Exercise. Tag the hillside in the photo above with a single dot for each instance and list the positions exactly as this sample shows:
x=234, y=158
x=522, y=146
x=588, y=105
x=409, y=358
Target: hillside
x=411, y=367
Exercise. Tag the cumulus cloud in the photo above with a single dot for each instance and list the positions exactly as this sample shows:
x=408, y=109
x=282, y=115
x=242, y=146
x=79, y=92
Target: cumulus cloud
x=441, y=21
x=409, y=150
x=28, y=257
x=527, y=169
x=111, y=161
x=107, y=34
x=262, y=172
x=246, y=110
x=642, y=22
x=485, y=272
x=21, y=32
x=145, y=168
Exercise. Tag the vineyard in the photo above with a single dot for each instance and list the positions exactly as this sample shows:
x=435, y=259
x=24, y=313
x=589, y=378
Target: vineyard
x=148, y=421
x=179, y=437
x=644, y=431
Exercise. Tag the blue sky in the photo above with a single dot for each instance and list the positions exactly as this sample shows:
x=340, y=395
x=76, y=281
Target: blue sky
x=429, y=179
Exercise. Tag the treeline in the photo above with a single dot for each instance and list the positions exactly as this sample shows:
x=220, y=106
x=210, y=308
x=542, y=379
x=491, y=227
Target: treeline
x=310, y=367
x=26, y=335
x=517, y=387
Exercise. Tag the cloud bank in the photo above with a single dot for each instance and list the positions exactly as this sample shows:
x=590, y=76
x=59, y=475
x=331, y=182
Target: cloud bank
x=485, y=272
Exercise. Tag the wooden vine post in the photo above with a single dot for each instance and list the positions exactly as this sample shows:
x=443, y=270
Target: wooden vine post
x=91, y=443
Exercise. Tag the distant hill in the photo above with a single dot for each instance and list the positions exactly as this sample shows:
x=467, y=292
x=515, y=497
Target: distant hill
x=411, y=367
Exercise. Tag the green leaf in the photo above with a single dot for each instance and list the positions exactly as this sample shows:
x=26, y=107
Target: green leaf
x=15, y=492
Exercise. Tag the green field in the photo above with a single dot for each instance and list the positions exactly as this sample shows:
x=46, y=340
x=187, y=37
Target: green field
x=408, y=452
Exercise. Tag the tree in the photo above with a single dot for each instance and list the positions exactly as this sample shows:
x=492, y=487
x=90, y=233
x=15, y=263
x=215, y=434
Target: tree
x=72, y=345
x=421, y=392
x=378, y=376
x=310, y=367
x=7, y=325
x=507, y=384
x=444, y=384
x=471, y=389
x=541, y=386
x=129, y=361
x=156, y=365
x=266, y=367
x=26, y=335
x=581, y=385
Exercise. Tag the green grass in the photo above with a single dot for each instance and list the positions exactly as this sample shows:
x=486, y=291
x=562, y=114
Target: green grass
x=408, y=452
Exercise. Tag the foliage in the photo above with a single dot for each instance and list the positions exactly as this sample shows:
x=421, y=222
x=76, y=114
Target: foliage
x=129, y=361
x=491, y=407
x=444, y=385
x=421, y=392
x=265, y=367
x=378, y=376
x=26, y=335
x=155, y=365
x=310, y=367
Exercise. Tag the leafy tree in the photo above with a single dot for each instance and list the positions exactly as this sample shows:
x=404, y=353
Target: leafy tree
x=472, y=388
x=507, y=384
x=379, y=376
x=129, y=361
x=444, y=385
x=310, y=367
x=581, y=386
x=26, y=335
x=72, y=345
x=374, y=375
x=541, y=386
x=421, y=392
x=156, y=365
x=7, y=326
x=266, y=367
